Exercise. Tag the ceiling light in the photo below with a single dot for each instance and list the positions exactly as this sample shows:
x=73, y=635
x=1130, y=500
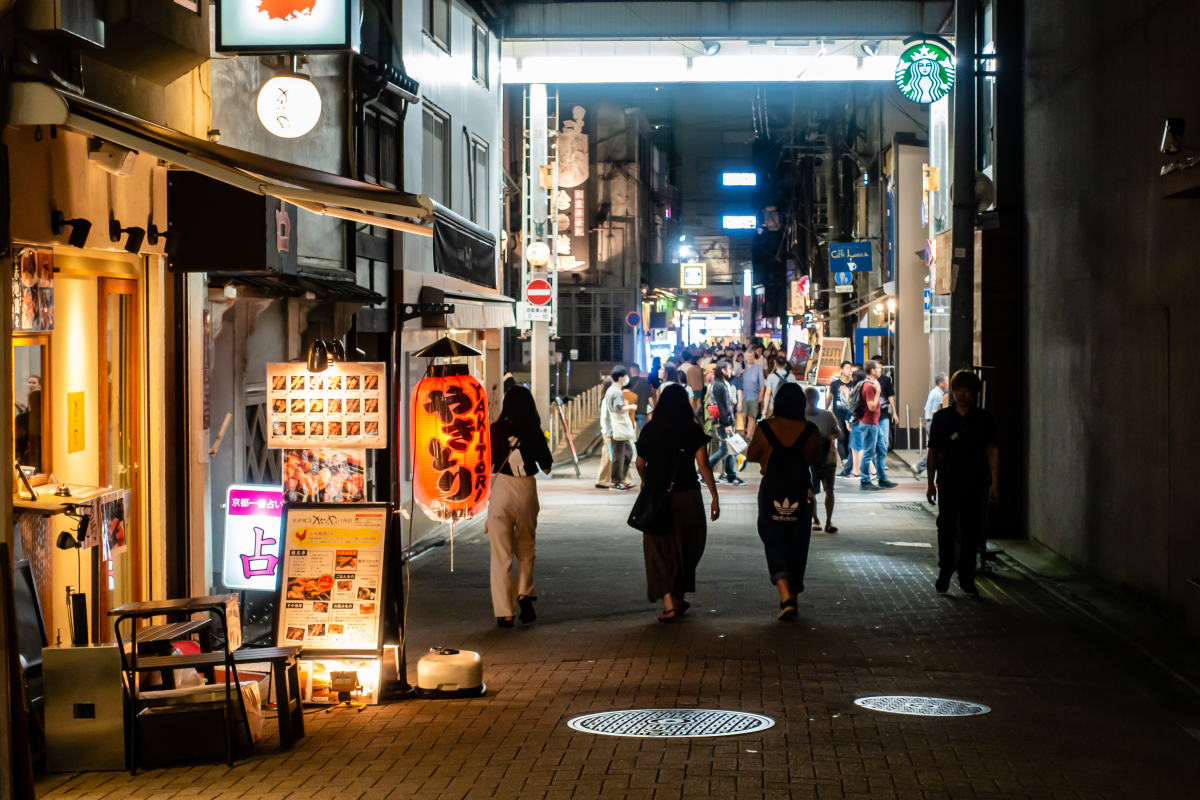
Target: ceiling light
x=289, y=105
x=711, y=48
x=871, y=48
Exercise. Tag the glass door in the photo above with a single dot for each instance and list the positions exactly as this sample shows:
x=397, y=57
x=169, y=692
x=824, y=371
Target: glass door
x=120, y=567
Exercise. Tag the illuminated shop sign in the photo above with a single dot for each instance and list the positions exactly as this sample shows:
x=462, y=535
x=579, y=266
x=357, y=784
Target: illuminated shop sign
x=925, y=72
x=287, y=26
x=451, y=444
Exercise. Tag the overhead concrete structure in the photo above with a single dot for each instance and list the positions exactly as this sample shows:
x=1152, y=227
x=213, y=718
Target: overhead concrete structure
x=797, y=19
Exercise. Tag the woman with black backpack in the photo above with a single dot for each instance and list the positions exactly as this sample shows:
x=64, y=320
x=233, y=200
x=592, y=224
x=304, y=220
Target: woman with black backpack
x=519, y=450
x=785, y=446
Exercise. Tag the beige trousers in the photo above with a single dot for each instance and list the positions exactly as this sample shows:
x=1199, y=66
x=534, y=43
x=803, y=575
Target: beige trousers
x=511, y=527
x=604, y=478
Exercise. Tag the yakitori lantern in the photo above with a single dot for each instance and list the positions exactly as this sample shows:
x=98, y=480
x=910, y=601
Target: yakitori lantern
x=452, y=474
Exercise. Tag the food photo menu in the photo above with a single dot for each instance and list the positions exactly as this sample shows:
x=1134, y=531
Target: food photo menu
x=344, y=406
x=332, y=577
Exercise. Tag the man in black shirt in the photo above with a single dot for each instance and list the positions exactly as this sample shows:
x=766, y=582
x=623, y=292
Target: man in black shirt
x=964, y=471
x=838, y=401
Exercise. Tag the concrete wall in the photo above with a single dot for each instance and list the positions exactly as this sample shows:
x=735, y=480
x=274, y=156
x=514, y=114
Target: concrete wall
x=1111, y=394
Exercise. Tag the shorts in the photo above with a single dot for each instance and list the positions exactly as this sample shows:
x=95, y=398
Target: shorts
x=822, y=475
x=856, y=436
x=750, y=409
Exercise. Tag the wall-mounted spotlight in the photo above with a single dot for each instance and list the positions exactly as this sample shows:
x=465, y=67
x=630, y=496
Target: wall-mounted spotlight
x=871, y=48
x=711, y=48
x=318, y=357
x=337, y=351
x=135, y=236
x=154, y=234
x=1172, y=141
x=80, y=228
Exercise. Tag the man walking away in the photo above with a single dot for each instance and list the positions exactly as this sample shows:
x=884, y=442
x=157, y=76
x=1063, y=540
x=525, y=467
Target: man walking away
x=604, y=476
x=643, y=390
x=620, y=426
x=872, y=398
x=887, y=414
x=753, y=384
x=933, y=404
x=964, y=474
x=838, y=401
x=823, y=470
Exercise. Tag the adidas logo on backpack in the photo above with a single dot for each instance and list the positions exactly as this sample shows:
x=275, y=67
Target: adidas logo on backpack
x=785, y=511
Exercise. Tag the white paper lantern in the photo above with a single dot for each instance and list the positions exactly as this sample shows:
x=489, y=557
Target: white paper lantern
x=289, y=105
x=539, y=254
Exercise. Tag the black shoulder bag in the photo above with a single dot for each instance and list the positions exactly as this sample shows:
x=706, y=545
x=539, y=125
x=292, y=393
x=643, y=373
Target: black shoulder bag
x=651, y=512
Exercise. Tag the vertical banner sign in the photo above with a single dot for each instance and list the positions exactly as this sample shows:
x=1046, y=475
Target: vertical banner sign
x=572, y=202
x=332, y=587
x=252, y=537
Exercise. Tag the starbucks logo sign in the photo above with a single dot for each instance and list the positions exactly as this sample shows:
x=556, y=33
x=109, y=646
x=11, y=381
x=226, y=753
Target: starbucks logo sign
x=925, y=72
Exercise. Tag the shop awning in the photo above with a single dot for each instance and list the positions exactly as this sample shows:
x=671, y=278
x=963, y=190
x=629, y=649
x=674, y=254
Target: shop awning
x=315, y=191
x=299, y=285
x=478, y=311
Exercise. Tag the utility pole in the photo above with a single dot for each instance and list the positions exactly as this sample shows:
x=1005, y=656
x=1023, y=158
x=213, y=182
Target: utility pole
x=537, y=221
x=962, y=263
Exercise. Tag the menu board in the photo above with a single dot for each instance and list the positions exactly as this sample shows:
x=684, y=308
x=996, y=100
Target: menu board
x=344, y=406
x=331, y=594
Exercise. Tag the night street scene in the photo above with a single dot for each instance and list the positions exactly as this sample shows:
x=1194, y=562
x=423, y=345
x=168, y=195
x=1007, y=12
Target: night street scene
x=593, y=400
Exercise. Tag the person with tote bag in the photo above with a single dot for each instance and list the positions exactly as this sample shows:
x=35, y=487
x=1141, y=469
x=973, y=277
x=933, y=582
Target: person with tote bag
x=785, y=446
x=670, y=509
x=519, y=449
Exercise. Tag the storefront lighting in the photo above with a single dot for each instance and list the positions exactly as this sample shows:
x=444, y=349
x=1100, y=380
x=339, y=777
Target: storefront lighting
x=891, y=304
x=871, y=48
x=451, y=447
x=80, y=228
x=879, y=308
x=318, y=357
x=739, y=179
x=925, y=70
x=736, y=222
x=289, y=105
x=337, y=351
x=711, y=48
x=134, y=236
x=539, y=254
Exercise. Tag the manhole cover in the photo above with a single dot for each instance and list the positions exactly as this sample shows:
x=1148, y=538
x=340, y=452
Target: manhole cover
x=921, y=706
x=671, y=723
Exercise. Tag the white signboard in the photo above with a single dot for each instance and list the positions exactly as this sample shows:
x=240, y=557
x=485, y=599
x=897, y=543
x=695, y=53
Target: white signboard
x=332, y=587
x=246, y=26
x=252, y=535
x=344, y=406
x=534, y=313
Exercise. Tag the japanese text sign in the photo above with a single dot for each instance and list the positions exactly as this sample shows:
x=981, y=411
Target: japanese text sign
x=252, y=518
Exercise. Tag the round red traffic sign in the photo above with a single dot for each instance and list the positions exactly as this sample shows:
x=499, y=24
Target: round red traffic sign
x=538, y=292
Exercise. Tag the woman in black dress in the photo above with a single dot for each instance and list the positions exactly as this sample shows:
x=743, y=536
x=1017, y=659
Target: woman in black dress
x=671, y=448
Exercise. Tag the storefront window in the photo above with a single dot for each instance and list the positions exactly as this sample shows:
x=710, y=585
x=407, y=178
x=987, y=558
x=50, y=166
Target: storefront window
x=31, y=422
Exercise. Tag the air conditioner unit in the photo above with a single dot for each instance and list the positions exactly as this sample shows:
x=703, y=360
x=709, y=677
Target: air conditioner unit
x=75, y=19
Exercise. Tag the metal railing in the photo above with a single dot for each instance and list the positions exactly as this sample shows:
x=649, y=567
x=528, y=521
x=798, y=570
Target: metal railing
x=578, y=412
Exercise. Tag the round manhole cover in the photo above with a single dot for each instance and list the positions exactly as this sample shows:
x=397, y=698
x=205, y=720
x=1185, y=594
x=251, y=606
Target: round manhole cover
x=671, y=723
x=921, y=706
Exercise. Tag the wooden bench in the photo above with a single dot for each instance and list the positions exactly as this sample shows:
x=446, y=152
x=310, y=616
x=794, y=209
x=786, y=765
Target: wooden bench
x=285, y=671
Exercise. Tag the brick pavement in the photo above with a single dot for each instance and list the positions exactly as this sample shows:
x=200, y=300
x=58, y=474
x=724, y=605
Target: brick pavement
x=1066, y=721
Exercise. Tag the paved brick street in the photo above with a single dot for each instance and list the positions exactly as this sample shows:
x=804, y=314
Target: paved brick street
x=1068, y=719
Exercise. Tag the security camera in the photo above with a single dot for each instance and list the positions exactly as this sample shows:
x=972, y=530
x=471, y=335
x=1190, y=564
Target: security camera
x=111, y=157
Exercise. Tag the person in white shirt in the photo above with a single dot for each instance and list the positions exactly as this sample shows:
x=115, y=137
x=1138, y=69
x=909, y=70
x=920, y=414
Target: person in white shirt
x=933, y=404
x=620, y=425
x=604, y=476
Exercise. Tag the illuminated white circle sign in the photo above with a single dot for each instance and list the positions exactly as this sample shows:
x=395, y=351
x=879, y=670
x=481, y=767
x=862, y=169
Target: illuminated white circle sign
x=289, y=106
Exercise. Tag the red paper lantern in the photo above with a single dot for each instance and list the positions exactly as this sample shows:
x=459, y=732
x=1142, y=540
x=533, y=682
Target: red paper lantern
x=451, y=444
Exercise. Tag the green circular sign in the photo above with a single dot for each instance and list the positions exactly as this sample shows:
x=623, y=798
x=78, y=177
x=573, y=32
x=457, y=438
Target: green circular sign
x=925, y=72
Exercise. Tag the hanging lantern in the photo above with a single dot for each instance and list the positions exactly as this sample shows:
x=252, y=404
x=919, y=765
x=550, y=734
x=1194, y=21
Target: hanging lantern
x=289, y=105
x=539, y=254
x=452, y=473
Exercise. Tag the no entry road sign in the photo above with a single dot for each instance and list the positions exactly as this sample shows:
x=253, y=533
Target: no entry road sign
x=538, y=292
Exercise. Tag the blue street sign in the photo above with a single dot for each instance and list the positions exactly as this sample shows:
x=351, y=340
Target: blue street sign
x=928, y=299
x=850, y=256
x=842, y=278
x=633, y=319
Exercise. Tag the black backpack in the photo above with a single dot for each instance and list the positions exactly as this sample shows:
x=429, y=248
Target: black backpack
x=858, y=406
x=783, y=492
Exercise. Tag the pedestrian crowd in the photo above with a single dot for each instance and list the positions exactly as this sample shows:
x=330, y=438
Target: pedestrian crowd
x=709, y=409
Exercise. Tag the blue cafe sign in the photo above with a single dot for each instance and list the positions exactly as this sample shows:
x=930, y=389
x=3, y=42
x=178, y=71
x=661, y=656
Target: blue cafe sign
x=850, y=256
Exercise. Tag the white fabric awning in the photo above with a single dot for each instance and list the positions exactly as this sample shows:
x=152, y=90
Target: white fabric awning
x=314, y=191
